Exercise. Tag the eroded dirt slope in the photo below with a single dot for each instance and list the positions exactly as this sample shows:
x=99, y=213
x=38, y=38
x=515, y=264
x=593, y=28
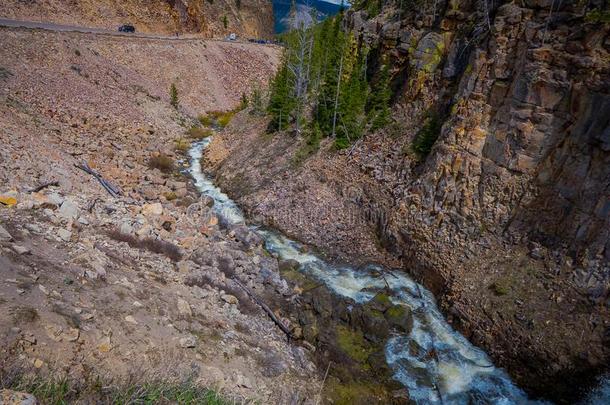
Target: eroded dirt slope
x=95, y=286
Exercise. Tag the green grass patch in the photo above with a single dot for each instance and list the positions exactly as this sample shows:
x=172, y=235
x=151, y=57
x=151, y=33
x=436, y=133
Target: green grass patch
x=63, y=391
x=352, y=343
x=357, y=392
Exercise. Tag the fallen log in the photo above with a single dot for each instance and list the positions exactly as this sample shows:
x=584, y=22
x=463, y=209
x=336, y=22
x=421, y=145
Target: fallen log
x=44, y=185
x=265, y=308
x=110, y=188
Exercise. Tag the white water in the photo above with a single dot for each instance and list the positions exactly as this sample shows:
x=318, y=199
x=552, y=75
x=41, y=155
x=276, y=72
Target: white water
x=457, y=373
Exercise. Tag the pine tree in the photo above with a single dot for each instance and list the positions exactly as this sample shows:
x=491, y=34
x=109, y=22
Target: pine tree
x=379, y=101
x=173, y=96
x=281, y=102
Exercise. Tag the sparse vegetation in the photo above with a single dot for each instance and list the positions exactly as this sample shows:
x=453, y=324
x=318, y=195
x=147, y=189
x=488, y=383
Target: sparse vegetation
x=309, y=147
x=173, y=96
x=205, y=120
x=500, y=287
x=94, y=390
x=222, y=118
x=24, y=315
x=152, y=245
x=199, y=133
x=170, y=195
x=225, y=21
x=182, y=145
x=427, y=135
x=243, y=103
x=598, y=16
x=162, y=162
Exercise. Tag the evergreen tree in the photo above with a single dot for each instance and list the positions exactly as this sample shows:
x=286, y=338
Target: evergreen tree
x=173, y=96
x=281, y=102
x=379, y=101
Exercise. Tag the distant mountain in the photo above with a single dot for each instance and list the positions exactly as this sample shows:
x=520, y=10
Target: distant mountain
x=281, y=11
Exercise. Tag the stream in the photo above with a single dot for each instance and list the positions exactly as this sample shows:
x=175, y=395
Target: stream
x=460, y=373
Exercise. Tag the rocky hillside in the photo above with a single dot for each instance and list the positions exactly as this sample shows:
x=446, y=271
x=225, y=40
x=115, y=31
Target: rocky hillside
x=110, y=291
x=247, y=18
x=507, y=216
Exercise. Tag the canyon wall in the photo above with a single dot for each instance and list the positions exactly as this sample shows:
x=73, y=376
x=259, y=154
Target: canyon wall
x=248, y=18
x=507, y=218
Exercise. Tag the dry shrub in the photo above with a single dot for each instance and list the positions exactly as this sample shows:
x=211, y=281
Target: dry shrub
x=24, y=315
x=182, y=145
x=161, y=162
x=152, y=245
x=199, y=133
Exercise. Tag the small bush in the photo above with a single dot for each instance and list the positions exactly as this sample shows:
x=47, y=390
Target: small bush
x=170, y=196
x=341, y=143
x=205, y=120
x=24, y=315
x=225, y=118
x=182, y=145
x=598, y=16
x=5, y=73
x=427, y=136
x=162, y=162
x=500, y=287
x=199, y=133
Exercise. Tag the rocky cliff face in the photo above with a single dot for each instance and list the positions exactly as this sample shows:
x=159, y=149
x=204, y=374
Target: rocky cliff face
x=248, y=18
x=525, y=140
x=508, y=217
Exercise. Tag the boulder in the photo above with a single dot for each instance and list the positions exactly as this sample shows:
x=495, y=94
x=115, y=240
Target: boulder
x=68, y=210
x=20, y=250
x=4, y=235
x=64, y=234
x=188, y=342
x=374, y=325
x=399, y=318
x=288, y=265
x=229, y=299
x=184, y=307
x=154, y=209
x=429, y=52
x=10, y=397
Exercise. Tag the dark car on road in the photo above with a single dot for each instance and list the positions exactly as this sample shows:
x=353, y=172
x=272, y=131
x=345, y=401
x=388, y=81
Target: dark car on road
x=127, y=28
